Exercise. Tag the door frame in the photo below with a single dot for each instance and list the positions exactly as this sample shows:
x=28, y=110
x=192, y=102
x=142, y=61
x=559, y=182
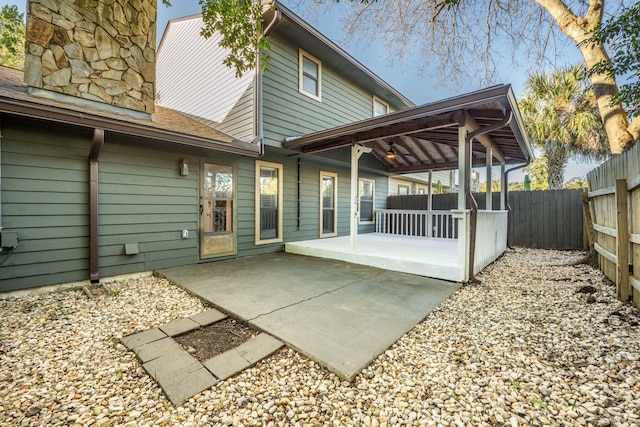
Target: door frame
x=234, y=209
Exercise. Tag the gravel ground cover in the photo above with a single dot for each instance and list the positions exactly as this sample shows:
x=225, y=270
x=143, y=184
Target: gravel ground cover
x=525, y=347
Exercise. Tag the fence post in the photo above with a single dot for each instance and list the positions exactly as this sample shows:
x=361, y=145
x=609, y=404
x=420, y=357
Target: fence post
x=622, y=240
x=588, y=222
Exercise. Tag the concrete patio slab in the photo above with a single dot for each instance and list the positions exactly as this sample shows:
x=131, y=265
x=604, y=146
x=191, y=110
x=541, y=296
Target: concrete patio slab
x=339, y=314
x=246, y=354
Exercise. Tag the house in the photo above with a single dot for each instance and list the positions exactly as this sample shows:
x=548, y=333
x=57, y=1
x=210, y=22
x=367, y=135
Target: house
x=311, y=85
x=336, y=136
x=419, y=183
x=97, y=181
x=114, y=161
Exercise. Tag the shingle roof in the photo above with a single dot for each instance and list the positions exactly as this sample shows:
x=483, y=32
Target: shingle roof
x=165, y=124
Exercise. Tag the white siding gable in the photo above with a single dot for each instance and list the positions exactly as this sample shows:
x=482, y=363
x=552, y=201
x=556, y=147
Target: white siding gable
x=192, y=79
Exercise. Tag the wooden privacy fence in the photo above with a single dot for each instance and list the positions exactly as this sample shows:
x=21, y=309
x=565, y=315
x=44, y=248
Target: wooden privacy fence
x=540, y=219
x=614, y=200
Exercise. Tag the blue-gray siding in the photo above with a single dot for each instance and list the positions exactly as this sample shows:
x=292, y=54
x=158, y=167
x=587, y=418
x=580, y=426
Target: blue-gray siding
x=287, y=112
x=45, y=186
x=143, y=200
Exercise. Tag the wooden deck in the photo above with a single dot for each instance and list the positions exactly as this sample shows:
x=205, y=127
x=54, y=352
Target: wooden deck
x=430, y=257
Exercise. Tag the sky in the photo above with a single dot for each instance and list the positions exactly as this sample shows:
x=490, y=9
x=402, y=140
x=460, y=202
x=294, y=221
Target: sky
x=418, y=87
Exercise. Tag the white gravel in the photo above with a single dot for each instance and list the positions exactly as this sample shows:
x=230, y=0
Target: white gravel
x=522, y=348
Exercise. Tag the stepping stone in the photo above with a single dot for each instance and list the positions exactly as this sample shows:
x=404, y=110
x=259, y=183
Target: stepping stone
x=179, y=375
x=184, y=385
x=178, y=327
x=142, y=338
x=156, y=349
x=208, y=317
x=246, y=354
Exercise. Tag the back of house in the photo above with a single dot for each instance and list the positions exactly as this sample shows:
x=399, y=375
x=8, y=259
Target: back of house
x=116, y=162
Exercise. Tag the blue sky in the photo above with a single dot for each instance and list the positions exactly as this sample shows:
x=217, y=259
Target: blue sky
x=418, y=87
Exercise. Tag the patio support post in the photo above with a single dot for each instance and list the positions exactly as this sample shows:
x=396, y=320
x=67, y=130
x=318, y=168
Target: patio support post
x=356, y=152
x=429, y=232
x=462, y=161
x=463, y=236
x=503, y=187
x=489, y=193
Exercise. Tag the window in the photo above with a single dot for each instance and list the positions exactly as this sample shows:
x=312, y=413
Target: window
x=328, y=209
x=379, y=107
x=403, y=190
x=421, y=191
x=366, y=200
x=310, y=76
x=268, y=202
x=218, y=199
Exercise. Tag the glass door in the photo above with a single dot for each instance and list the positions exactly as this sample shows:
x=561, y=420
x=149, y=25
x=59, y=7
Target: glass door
x=328, y=197
x=217, y=213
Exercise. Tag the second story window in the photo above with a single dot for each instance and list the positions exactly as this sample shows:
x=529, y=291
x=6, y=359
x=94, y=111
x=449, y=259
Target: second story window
x=310, y=76
x=379, y=107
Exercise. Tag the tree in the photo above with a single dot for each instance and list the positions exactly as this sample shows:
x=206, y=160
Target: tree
x=577, y=183
x=623, y=34
x=11, y=37
x=560, y=116
x=537, y=171
x=461, y=36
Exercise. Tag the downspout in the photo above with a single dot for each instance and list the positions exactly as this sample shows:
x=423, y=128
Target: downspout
x=506, y=195
x=469, y=197
x=259, y=139
x=94, y=256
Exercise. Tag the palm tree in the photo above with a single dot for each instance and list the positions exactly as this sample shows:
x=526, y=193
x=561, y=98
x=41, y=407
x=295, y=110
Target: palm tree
x=561, y=116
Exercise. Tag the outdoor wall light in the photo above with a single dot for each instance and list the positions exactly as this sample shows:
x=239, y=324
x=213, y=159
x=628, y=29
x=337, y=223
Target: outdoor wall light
x=184, y=167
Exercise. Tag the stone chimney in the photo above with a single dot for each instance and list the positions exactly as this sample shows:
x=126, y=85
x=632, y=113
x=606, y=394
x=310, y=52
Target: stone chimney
x=93, y=52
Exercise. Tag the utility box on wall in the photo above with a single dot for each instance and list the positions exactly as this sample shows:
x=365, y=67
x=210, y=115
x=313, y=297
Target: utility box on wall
x=8, y=239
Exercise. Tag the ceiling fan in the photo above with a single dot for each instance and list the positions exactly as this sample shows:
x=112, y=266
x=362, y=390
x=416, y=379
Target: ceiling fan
x=391, y=153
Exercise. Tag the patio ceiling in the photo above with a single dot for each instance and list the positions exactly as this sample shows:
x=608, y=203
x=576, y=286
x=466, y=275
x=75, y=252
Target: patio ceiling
x=427, y=138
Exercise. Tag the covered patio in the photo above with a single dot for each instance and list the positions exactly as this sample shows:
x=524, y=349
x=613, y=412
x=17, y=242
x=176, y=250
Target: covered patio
x=462, y=132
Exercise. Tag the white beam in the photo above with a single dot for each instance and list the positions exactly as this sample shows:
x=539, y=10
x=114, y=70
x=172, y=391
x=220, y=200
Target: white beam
x=356, y=152
x=462, y=153
x=430, y=198
x=503, y=187
x=489, y=201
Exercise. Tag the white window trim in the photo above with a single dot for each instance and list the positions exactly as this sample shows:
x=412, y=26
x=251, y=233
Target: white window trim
x=400, y=186
x=279, y=167
x=335, y=204
x=303, y=54
x=381, y=101
x=373, y=201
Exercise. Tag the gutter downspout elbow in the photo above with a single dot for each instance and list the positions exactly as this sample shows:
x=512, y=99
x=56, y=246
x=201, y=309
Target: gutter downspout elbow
x=469, y=197
x=94, y=233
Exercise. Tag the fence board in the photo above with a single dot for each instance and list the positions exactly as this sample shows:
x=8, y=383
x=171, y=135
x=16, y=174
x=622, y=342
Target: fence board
x=614, y=236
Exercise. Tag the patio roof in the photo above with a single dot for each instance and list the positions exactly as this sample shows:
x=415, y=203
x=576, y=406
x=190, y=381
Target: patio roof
x=426, y=137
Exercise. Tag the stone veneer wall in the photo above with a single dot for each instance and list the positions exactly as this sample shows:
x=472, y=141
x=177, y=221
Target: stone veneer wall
x=101, y=50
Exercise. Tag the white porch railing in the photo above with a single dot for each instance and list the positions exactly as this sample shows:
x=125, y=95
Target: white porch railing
x=439, y=224
x=491, y=238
